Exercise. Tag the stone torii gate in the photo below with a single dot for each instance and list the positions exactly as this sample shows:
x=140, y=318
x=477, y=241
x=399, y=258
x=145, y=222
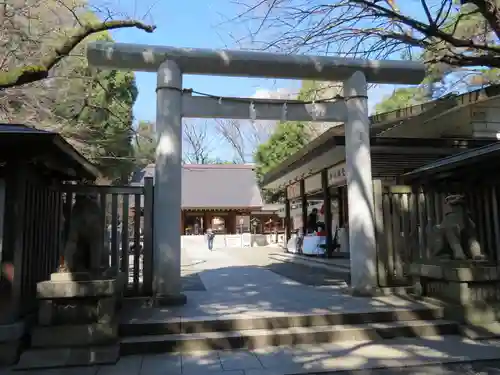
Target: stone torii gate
x=173, y=104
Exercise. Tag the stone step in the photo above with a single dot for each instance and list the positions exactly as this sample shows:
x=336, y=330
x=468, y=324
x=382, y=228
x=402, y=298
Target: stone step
x=137, y=327
x=259, y=338
x=74, y=335
x=67, y=357
x=482, y=331
x=310, y=261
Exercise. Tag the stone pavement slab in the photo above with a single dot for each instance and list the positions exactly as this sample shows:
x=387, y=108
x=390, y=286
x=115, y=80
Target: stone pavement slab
x=236, y=289
x=303, y=359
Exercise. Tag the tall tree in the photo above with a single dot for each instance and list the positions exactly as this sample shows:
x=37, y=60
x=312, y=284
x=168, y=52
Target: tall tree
x=401, y=98
x=92, y=108
x=447, y=34
x=243, y=136
x=38, y=35
x=287, y=139
x=197, y=143
x=144, y=144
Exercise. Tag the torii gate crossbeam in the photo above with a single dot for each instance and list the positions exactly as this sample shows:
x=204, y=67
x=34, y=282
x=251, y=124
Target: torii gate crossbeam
x=172, y=104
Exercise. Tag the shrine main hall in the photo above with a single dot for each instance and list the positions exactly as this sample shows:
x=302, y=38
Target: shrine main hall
x=225, y=197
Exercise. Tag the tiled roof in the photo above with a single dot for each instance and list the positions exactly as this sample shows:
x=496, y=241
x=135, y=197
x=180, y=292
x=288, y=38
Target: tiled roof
x=214, y=185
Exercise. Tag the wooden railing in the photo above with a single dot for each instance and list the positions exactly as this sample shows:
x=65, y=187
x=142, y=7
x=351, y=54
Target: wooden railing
x=128, y=231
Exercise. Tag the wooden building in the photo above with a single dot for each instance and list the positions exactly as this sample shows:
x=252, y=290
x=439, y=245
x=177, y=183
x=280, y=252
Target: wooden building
x=401, y=141
x=225, y=197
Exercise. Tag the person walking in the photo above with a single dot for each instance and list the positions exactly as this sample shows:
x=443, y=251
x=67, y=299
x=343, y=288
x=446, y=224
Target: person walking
x=210, y=238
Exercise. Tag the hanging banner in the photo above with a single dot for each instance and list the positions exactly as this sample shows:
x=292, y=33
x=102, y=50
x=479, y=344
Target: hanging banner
x=337, y=175
x=293, y=191
x=313, y=183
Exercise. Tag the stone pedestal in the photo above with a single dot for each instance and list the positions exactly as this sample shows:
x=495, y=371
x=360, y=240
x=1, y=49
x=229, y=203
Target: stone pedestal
x=11, y=336
x=77, y=321
x=470, y=290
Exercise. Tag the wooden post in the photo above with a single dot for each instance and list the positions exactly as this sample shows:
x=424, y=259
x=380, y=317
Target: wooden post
x=288, y=226
x=114, y=231
x=342, y=197
x=15, y=212
x=379, y=233
x=327, y=207
x=147, y=270
x=496, y=222
x=303, y=199
x=182, y=229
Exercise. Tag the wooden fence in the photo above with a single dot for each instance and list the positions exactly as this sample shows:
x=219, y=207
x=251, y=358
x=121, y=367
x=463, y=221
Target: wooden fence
x=32, y=237
x=128, y=231
x=35, y=232
x=404, y=214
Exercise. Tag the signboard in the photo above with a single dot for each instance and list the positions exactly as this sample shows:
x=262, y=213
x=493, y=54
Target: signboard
x=293, y=191
x=337, y=175
x=313, y=183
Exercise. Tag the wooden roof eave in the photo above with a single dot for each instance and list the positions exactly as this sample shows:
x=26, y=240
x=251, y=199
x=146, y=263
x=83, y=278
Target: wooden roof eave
x=383, y=122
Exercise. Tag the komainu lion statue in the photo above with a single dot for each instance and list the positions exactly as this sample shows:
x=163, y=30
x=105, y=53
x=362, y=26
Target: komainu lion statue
x=455, y=237
x=84, y=246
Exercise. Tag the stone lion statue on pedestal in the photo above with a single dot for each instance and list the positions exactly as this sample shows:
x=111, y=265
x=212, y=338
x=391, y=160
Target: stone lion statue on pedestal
x=83, y=251
x=455, y=237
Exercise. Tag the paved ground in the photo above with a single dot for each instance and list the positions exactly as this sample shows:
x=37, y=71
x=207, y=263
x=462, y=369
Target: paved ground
x=303, y=274
x=244, y=284
x=239, y=284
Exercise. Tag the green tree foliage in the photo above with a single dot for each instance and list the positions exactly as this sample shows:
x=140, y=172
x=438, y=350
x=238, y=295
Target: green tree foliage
x=92, y=108
x=97, y=110
x=54, y=28
x=144, y=144
x=287, y=139
x=401, y=98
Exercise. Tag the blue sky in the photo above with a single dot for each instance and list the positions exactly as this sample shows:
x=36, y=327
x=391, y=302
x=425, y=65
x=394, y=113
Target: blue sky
x=197, y=23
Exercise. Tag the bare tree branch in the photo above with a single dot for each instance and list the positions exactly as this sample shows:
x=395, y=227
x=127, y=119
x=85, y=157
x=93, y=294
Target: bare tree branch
x=459, y=35
x=197, y=142
x=32, y=73
x=244, y=136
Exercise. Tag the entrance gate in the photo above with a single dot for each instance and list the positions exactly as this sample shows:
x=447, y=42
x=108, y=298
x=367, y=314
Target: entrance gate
x=173, y=103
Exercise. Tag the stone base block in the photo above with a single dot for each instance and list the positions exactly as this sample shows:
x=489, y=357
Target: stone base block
x=75, y=335
x=170, y=300
x=473, y=313
x=11, y=336
x=481, y=331
x=66, y=288
x=470, y=289
x=462, y=283
x=84, y=311
x=380, y=291
x=9, y=352
x=68, y=357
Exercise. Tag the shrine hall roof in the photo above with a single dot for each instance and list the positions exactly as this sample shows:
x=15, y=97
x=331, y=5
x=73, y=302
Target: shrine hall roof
x=49, y=149
x=211, y=186
x=482, y=160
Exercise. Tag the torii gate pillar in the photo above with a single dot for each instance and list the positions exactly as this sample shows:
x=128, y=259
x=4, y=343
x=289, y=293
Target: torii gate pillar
x=168, y=186
x=362, y=241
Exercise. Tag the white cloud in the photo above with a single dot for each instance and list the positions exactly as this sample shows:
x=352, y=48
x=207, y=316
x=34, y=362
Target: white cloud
x=281, y=93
